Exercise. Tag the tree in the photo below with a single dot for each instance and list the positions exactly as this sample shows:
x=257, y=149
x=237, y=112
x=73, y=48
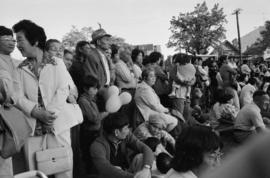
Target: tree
x=196, y=31
x=75, y=35
x=262, y=43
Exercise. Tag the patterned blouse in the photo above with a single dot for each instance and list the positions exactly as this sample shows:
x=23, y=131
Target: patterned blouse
x=35, y=68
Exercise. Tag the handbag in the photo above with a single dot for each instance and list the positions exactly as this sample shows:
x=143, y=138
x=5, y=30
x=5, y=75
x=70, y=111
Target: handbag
x=53, y=160
x=14, y=131
x=70, y=116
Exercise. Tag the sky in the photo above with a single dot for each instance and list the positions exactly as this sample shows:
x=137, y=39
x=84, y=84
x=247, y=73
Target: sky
x=137, y=21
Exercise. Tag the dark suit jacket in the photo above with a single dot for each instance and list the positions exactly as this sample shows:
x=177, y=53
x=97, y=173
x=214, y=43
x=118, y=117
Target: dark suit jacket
x=93, y=66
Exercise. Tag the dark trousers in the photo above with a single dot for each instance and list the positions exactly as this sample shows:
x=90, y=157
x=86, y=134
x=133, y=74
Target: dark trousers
x=87, y=137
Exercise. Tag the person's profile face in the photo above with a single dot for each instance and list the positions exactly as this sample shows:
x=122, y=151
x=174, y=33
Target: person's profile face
x=24, y=45
x=155, y=129
x=56, y=49
x=104, y=43
x=121, y=134
x=68, y=58
x=7, y=44
x=212, y=159
x=151, y=79
x=264, y=102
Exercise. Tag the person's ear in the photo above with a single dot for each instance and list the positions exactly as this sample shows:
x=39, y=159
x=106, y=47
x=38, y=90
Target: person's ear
x=116, y=132
x=36, y=44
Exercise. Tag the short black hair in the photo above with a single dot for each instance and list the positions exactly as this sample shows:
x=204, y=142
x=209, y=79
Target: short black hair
x=66, y=51
x=79, y=45
x=114, y=49
x=152, y=142
x=146, y=72
x=33, y=33
x=181, y=58
x=4, y=31
x=154, y=57
x=163, y=162
x=253, y=81
x=90, y=81
x=224, y=97
x=135, y=52
x=259, y=93
x=191, y=145
x=115, y=121
x=49, y=42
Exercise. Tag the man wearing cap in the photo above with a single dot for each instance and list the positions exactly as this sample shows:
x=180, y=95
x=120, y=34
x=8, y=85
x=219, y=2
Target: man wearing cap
x=154, y=127
x=96, y=63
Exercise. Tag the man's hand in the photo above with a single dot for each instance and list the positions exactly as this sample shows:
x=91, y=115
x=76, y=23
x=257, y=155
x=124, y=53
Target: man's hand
x=144, y=173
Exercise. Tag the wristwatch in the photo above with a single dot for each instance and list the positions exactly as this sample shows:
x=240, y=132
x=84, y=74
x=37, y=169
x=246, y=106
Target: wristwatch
x=147, y=166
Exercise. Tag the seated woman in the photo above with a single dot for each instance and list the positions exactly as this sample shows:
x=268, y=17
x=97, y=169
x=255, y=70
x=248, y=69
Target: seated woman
x=197, y=149
x=125, y=79
x=154, y=128
x=148, y=101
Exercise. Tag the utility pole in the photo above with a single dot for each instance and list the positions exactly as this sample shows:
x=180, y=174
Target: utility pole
x=236, y=12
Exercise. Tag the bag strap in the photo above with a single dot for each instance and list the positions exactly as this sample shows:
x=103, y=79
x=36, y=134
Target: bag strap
x=44, y=142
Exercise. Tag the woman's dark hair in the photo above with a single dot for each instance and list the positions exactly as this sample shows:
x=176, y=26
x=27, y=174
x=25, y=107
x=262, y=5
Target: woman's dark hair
x=33, y=33
x=152, y=142
x=224, y=97
x=114, y=49
x=154, y=57
x=163, y=162
x=191, y=145
x=2, y=92
x=146, y=72
x=5, y=31
x=90, y=81
x=146, y=60
x=66, y=51
x=221, y=60
x=135, y=52
x=79, y=45
x=181, y=58
x=115, y=121
x=49, y=42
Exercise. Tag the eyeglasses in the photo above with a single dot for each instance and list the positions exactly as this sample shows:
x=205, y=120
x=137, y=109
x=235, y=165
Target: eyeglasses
x=8, y=39
x=56, y=49
x=216, y=155
x=156, y=127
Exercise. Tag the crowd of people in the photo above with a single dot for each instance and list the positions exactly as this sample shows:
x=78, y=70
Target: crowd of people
x=171, y=128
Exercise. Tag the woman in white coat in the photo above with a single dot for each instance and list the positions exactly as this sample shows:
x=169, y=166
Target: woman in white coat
x=44, y=85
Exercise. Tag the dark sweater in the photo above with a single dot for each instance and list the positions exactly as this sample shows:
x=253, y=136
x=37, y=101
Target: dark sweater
x=100, y=153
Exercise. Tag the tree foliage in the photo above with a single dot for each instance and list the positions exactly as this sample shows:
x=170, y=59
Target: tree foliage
x=75, y=35
x=262, y=43
x=195, y=31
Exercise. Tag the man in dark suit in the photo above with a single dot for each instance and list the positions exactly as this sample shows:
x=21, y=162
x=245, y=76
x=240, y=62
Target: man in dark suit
x=96, y=63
